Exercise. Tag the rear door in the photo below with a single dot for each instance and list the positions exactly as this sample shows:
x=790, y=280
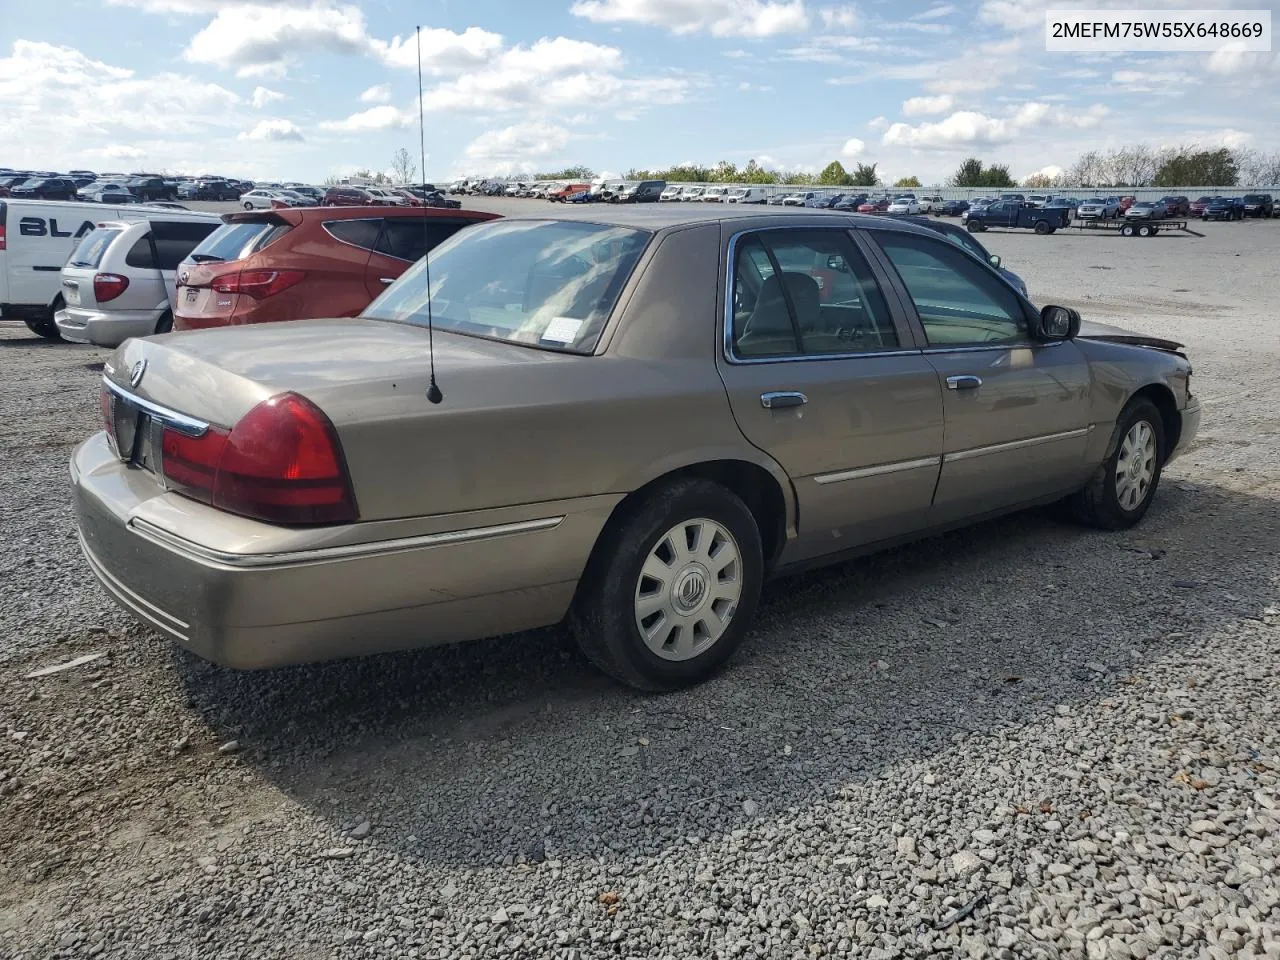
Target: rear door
x=823, y=374
x=401, y=242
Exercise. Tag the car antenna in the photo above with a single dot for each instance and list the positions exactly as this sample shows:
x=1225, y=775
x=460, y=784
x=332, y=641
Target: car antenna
x=433, y=390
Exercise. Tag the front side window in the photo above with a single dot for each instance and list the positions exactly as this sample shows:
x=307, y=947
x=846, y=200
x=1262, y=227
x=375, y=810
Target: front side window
x=544, y=283
x=806, y=293
x=959, y=302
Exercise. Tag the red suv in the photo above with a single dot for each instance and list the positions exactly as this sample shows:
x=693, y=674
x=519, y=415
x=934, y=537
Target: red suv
x=348, y=197
x=305, y=262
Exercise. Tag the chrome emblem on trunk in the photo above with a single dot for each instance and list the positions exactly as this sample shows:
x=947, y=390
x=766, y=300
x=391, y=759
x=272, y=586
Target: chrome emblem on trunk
x=135, y=374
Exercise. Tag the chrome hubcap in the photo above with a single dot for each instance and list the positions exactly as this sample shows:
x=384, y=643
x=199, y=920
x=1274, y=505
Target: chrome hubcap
x=1136, y=465
x=688, y=590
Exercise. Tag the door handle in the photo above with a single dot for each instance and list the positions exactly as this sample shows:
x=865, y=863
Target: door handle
x=778, y=399
x=967, y=382
x=386, y=281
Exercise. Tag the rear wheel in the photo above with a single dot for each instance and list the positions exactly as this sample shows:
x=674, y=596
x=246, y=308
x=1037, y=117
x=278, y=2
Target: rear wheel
x=1127, y=230
x=1145, y=230
x=165, y=323
x=1124, y=485
x=1043, y=228
x=45, y=326
x=672, y=588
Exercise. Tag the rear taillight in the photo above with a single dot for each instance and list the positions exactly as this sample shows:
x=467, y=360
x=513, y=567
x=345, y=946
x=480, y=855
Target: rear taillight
x=108, y=412
x=281, y=463
x=3, y=241
x=108, y=286
x=258, y=283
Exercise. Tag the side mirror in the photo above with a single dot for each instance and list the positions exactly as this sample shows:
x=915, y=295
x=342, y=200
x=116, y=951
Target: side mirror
x=1058, y=323
x=995, y=260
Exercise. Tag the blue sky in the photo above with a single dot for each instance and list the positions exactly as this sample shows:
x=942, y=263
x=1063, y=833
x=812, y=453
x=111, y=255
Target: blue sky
x=303, y=89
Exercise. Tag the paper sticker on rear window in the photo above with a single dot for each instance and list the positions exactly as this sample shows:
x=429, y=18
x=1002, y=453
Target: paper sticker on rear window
x=562, y=329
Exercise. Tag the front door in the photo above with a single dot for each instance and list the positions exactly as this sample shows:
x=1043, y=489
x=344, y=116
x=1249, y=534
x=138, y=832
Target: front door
x=827, y=379
x=1016, y=409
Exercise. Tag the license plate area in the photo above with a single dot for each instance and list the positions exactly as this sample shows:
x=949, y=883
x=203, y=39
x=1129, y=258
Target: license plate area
x=137, y=435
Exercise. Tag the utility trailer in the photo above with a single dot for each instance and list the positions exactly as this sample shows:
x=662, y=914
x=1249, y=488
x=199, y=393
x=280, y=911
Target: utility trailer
x=1134, y=228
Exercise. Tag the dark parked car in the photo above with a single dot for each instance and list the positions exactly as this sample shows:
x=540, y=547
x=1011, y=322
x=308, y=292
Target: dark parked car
x=295, y=263
x=950, y=208
x=217, y=190
x=1197, y=206
x=348, y=197
x=1259, y=205
x=1016, y=214
x=1176, y=206
x=45, y=188
x=152, y=188
x=1063, y=203
x=1224, y=208
x=850, y=202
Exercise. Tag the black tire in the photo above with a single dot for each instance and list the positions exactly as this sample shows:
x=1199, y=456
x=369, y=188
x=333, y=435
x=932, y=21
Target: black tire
x=1128, y=230
x=165, y=323
x=1097, y=504
x=44, y=327
x=603, y=616
x=1145, y=230
x=973, y=226
x=248, y=206
x=1043, y=228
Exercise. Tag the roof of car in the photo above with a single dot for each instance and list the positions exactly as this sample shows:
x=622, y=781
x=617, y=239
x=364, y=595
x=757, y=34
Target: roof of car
x=661, y=216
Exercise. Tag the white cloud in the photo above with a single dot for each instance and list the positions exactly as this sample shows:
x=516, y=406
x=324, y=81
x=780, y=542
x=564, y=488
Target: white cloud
x=1141, y=81
x=443, y=51
x=968, y=127
x=934, y=13
x=843, y=17
x=553, y=74
x=118, y=151
x=720, y=18
x=924, y=106
x=261, y=40
x=385, y=117
x=853, y=147
x=1052, y=172
x=179, y=6
x=262, y=96
x=379, y=94
x=1231, y=61
x=274, y=129
x=877, y=123
x=514, y=147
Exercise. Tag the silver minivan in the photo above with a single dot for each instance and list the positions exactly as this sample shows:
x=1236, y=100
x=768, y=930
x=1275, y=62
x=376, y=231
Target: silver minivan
x=120, y=281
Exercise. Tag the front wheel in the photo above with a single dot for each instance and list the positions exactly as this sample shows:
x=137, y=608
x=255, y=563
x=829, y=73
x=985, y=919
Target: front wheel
x=1043, y=228
x=1124, y=485
x=248, y=205
x=1128, y=230
x=671, y=588
x=974, y=226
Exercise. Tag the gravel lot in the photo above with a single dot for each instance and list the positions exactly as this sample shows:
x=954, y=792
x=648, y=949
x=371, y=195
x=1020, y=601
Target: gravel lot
x=1021, y=740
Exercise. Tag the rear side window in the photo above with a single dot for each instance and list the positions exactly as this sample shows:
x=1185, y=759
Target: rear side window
x=168, y=244
x=358, y=233
x=92, y=247
x=806, y=293
x=235, y=241
x=410, y=238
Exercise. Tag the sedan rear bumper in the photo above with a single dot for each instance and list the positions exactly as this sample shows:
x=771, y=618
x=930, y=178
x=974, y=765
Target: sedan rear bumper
x=105, y=328
x=251, y=610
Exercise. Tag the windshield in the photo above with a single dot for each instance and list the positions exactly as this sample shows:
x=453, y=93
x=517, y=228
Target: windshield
x=545, y=283
x=92, y=247
x=1253, y=198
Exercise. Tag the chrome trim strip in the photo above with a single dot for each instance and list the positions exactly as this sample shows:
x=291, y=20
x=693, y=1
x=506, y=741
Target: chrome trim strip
x=877, y=471
x=346, y=552
x=1014, y=445
x=983, y=348
x=179, y=421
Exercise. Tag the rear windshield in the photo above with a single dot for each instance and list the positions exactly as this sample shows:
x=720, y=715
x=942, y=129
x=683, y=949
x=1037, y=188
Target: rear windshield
x=235, y=241
x=93, y=246
x=549, y=284
x=1253, y=198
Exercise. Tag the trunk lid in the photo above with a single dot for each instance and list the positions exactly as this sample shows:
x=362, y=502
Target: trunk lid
x=217, y=256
